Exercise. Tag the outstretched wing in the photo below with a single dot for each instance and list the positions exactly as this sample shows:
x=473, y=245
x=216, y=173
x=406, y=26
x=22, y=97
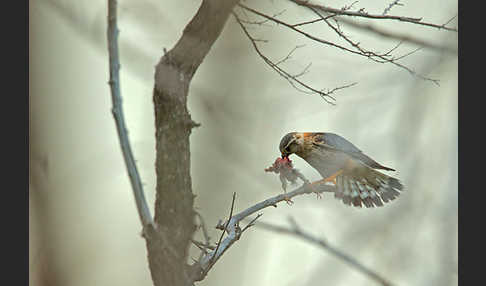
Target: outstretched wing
x=335, y=142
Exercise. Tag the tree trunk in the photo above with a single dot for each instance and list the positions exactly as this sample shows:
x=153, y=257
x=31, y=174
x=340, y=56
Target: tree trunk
x=168, y=243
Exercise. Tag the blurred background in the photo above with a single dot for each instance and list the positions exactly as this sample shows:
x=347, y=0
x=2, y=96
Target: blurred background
x=84, y=228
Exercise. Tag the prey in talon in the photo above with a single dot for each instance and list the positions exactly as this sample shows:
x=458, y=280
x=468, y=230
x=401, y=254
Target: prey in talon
x=354, y=174
x=287, y=173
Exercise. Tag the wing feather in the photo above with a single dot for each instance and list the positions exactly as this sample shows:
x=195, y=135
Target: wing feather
x=336, y=142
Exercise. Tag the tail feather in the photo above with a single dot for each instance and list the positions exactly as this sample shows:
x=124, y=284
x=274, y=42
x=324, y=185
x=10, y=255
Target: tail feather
x=376, y=198
x=364, y=194
x=346, y=192
x=355, y=194
x=347, y=200
x=368, y=202
x=394, y=183
x=340, y=186
x=373, y=189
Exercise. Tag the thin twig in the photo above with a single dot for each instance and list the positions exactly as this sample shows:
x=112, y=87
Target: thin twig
x=304, y=71
x=117, y=111
x=203, y=227
x=392, y=49
x=203, y=246
x=289, y=55
x=400, y=37
x=251, y=223
x=306, y=22
x=204, y=231
x=407, y=54
x=295, y=230
x=394, y=3
x=261, y=23
x=224, y=230
x=445, y=24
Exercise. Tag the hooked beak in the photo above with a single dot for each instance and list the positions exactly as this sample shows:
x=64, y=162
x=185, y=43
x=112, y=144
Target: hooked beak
x=284, y=156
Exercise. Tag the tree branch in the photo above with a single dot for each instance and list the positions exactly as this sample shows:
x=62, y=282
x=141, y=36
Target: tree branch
x=117, y=111
x=295, y=230
x=200, y=269
x=362, y=14
x=292, y=79
x=379, y=58
x=387, y=34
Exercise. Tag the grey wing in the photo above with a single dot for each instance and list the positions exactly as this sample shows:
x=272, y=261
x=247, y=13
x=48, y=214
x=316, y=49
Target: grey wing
x=336, y=142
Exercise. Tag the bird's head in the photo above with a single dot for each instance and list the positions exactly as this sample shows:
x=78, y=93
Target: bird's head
x=292, y=142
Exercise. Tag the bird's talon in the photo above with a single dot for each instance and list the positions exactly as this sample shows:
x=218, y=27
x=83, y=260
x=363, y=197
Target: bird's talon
x=288, y=201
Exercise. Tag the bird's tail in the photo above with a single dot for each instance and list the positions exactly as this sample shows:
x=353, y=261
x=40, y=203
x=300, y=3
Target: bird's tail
x=371, y=189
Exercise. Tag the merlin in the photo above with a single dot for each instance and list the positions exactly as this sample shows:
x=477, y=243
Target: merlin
x=338, y=161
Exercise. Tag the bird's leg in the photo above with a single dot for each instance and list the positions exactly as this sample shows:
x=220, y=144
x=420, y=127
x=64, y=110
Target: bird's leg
x=331, y=178
x=287, y=199
x=310, y=185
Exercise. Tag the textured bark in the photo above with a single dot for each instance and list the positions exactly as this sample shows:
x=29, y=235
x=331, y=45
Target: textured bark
x=174, y=214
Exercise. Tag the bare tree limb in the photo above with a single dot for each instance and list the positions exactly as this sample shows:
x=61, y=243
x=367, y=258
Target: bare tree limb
x=117, y=111
x=296, y=231
x=200, y=269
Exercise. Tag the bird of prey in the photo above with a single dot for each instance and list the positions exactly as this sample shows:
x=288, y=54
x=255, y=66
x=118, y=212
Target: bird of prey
x=338, y=161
